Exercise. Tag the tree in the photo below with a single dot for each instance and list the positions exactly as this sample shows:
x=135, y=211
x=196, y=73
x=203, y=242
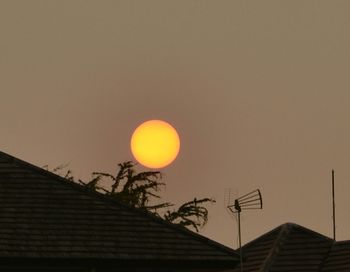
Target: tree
x=139, y=190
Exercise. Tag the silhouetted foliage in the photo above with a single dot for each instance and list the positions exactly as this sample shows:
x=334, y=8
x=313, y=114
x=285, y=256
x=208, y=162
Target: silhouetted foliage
x=131, y=188
x=140, y=189
x=190, y=214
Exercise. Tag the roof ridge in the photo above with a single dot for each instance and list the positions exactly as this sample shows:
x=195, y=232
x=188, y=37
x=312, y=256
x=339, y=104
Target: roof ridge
x=310, y=231
x=263, y=235
x=275, y=249
x=110, y=199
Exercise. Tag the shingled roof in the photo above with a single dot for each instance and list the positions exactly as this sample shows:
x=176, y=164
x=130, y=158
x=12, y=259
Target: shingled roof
x=291, y=247
x=339, y=258
x=46, y=218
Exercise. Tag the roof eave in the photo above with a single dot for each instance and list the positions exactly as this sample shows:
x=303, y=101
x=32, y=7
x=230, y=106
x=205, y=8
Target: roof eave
x=133, y=264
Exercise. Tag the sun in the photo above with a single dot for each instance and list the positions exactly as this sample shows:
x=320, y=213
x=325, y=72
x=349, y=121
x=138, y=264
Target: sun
x=155, y=144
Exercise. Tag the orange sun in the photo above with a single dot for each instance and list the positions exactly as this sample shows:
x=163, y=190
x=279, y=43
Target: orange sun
x=155, y=144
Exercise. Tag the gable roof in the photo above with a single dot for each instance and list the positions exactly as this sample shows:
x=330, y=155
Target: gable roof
x=291, y=247
x=44, y=216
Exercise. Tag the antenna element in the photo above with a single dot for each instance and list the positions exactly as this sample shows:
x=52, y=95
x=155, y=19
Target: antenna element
x=250, y=201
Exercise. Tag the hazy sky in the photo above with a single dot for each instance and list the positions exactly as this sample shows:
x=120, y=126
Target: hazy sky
x=258, y=90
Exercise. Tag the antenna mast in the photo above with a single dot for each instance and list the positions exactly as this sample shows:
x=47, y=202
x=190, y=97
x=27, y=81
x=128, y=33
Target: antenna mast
x=250, y=201
x=333, y=199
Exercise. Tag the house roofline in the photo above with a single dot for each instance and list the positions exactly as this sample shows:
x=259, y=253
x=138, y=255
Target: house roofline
x=79, y=187
x=287, y=226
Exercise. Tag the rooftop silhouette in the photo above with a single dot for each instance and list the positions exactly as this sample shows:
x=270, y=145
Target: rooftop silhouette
x=47, y=221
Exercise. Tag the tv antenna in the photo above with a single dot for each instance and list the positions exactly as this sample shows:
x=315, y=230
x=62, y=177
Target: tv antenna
x=333, y=205
x=250, y=201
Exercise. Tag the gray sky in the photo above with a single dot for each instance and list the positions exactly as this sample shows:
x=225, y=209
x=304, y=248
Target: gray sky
x=258, y=91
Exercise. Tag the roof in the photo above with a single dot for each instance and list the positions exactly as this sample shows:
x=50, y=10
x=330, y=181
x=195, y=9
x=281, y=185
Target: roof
x=339, y=258
x=44, y=216
x=291, y=247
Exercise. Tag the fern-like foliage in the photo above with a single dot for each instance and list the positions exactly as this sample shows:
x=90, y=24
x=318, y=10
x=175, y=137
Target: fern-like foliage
x=134, y=189
x=190, y=214
x=139, y=190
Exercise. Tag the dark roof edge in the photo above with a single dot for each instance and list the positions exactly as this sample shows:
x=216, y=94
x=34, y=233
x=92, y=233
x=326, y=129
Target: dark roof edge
x=310, y=231
x=107, y=262
x=77, y=186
